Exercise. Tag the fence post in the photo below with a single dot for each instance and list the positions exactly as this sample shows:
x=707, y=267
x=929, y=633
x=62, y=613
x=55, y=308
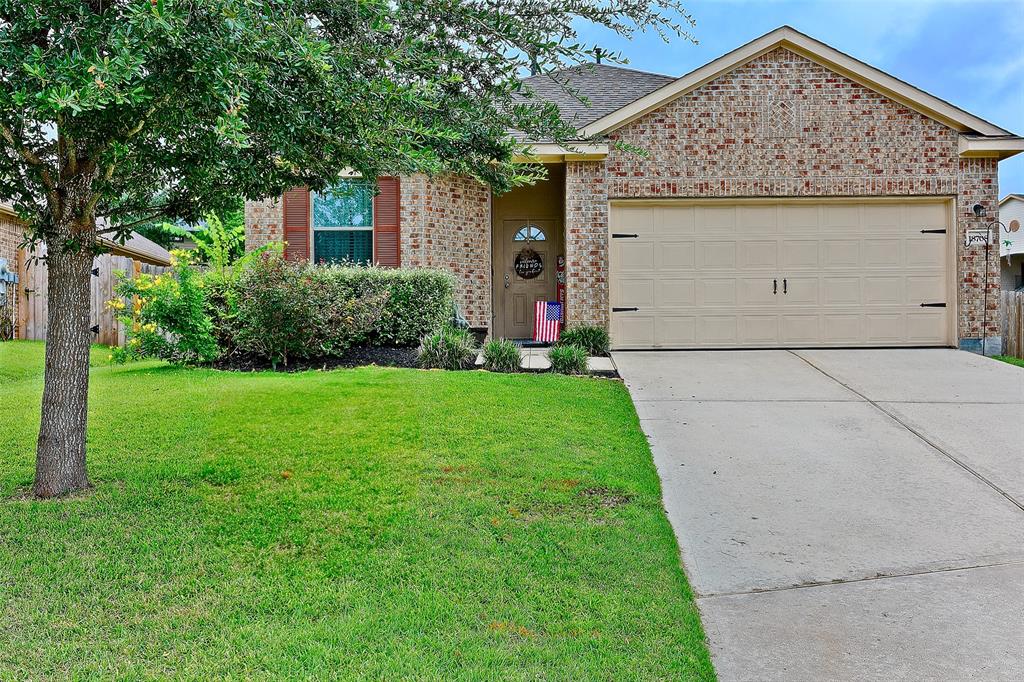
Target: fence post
x=20, y=302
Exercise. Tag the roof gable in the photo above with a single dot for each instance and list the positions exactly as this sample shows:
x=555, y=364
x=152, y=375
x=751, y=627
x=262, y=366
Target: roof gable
x=817, y=52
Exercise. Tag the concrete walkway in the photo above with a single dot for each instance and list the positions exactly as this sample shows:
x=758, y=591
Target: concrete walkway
x=845, y=514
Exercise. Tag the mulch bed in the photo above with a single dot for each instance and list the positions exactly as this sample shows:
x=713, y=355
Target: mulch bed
x=359, y=356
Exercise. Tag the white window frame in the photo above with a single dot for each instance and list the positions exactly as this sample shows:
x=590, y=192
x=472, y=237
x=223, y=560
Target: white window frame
x=313, y=229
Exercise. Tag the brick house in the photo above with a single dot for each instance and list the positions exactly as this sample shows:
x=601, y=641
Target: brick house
x=789, y=195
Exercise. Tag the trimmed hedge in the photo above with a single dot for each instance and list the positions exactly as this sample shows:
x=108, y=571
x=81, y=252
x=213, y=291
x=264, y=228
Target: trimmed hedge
x=417, y=301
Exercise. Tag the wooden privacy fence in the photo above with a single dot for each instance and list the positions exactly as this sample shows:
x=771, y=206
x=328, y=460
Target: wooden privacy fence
x=1013, y=323
x=32, y=286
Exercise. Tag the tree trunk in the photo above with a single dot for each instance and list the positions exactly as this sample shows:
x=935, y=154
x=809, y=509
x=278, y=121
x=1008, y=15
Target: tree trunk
x=60, y=450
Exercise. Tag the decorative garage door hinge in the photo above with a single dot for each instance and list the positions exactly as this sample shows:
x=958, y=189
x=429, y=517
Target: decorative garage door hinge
x=933, y=305
x=625, y=310
x=942, y=231
x=623, y=235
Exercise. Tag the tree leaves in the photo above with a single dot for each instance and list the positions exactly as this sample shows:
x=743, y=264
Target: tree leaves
x=178, y=106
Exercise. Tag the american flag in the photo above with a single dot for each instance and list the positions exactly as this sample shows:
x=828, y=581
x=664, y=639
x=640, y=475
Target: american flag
x=547, y=321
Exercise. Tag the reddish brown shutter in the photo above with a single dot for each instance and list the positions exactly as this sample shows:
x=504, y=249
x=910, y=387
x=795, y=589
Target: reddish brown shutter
x=295, y=209
x=387, y=250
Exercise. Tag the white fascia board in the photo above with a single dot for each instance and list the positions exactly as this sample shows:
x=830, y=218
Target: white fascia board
x=550, y=152
x=999, y=147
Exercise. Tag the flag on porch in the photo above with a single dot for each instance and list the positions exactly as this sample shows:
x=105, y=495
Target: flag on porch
x=547, y=321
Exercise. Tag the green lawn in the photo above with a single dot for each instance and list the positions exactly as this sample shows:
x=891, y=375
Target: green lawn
x=357, y=524
x=1012, y=360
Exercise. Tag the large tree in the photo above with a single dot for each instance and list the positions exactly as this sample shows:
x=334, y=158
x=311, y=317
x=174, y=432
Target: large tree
x=116, y=113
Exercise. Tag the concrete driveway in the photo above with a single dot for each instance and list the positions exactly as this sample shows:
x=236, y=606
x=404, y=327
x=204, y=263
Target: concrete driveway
x=846, y=514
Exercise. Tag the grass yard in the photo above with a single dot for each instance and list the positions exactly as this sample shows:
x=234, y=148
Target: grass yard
x=1010, y=359
x=357, y=524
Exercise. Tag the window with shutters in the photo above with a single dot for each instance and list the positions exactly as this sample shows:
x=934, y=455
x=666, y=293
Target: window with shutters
x=343, y=223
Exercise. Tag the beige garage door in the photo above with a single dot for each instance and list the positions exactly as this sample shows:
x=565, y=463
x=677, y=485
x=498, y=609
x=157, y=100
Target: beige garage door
x=757, y=275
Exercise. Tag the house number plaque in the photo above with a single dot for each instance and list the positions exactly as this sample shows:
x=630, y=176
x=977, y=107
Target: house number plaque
x=529, y=264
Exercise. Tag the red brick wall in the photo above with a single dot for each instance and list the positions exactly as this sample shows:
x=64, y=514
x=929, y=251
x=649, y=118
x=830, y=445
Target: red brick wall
x=784, y=126
x=586, y=242
x=446, y=223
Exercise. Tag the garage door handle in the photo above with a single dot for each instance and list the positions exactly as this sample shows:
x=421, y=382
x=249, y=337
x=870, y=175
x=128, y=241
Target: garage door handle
x=775, y=286
x=623, y=235
x=625, y=310
x=933, y=232
x=933, y=305
x=785, y=287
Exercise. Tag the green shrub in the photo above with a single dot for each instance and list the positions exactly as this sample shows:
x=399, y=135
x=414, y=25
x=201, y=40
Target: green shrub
x=592, y=338
x=447, y=348
x=501, y=355
x=568, y=359
x=417, y=301
x=167, y=317
x=286, y=311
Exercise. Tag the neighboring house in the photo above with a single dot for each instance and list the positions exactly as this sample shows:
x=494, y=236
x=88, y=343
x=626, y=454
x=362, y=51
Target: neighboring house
x=790, y=195
x=25, y=300
x=1011, y=241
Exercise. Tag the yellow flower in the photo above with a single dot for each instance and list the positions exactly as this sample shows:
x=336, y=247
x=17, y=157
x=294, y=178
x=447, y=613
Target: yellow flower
x=134, y=342
x=151, y=327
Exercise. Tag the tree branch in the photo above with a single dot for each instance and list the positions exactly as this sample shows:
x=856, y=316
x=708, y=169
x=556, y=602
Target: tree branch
x=30, y=158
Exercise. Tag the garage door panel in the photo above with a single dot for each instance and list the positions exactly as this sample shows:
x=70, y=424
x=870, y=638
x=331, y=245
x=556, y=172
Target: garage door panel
x=842, y=328
x=800, y=254
x=926, y=288
x=840, y=291
x=672, y=221
x=799, y=329
x=925, y=325
x=716, y=293
x=885, y=328
x=717, y=330
x=883, y=290
x=882, y=253
x=759, y=329
x=848, y=273
x=755, y=219
x=676, y=331
x=840, y=218
x=675, y=293
x=675, y=255
x=795, y=218
x=717, y=254
x=841, y=253
x=798, y=291
x=759, y=254
x=882, y=217
x=927, y=216
x=634, y=256
x=757, y=291
x=635, y=220
x=923, y=252
x=712, y=217
x=631, y=330
x=636, y=292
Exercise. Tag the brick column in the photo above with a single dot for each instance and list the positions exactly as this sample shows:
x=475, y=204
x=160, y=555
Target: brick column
x=978, y=184
x=586, y=242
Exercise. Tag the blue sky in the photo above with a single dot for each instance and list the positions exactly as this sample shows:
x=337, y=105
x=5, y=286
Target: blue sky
x=968, y=52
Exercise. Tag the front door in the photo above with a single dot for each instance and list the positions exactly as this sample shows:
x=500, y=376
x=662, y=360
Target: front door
x=524, y=273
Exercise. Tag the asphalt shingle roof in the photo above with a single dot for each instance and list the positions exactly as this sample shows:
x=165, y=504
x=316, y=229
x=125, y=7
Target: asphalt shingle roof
x=605, y=88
